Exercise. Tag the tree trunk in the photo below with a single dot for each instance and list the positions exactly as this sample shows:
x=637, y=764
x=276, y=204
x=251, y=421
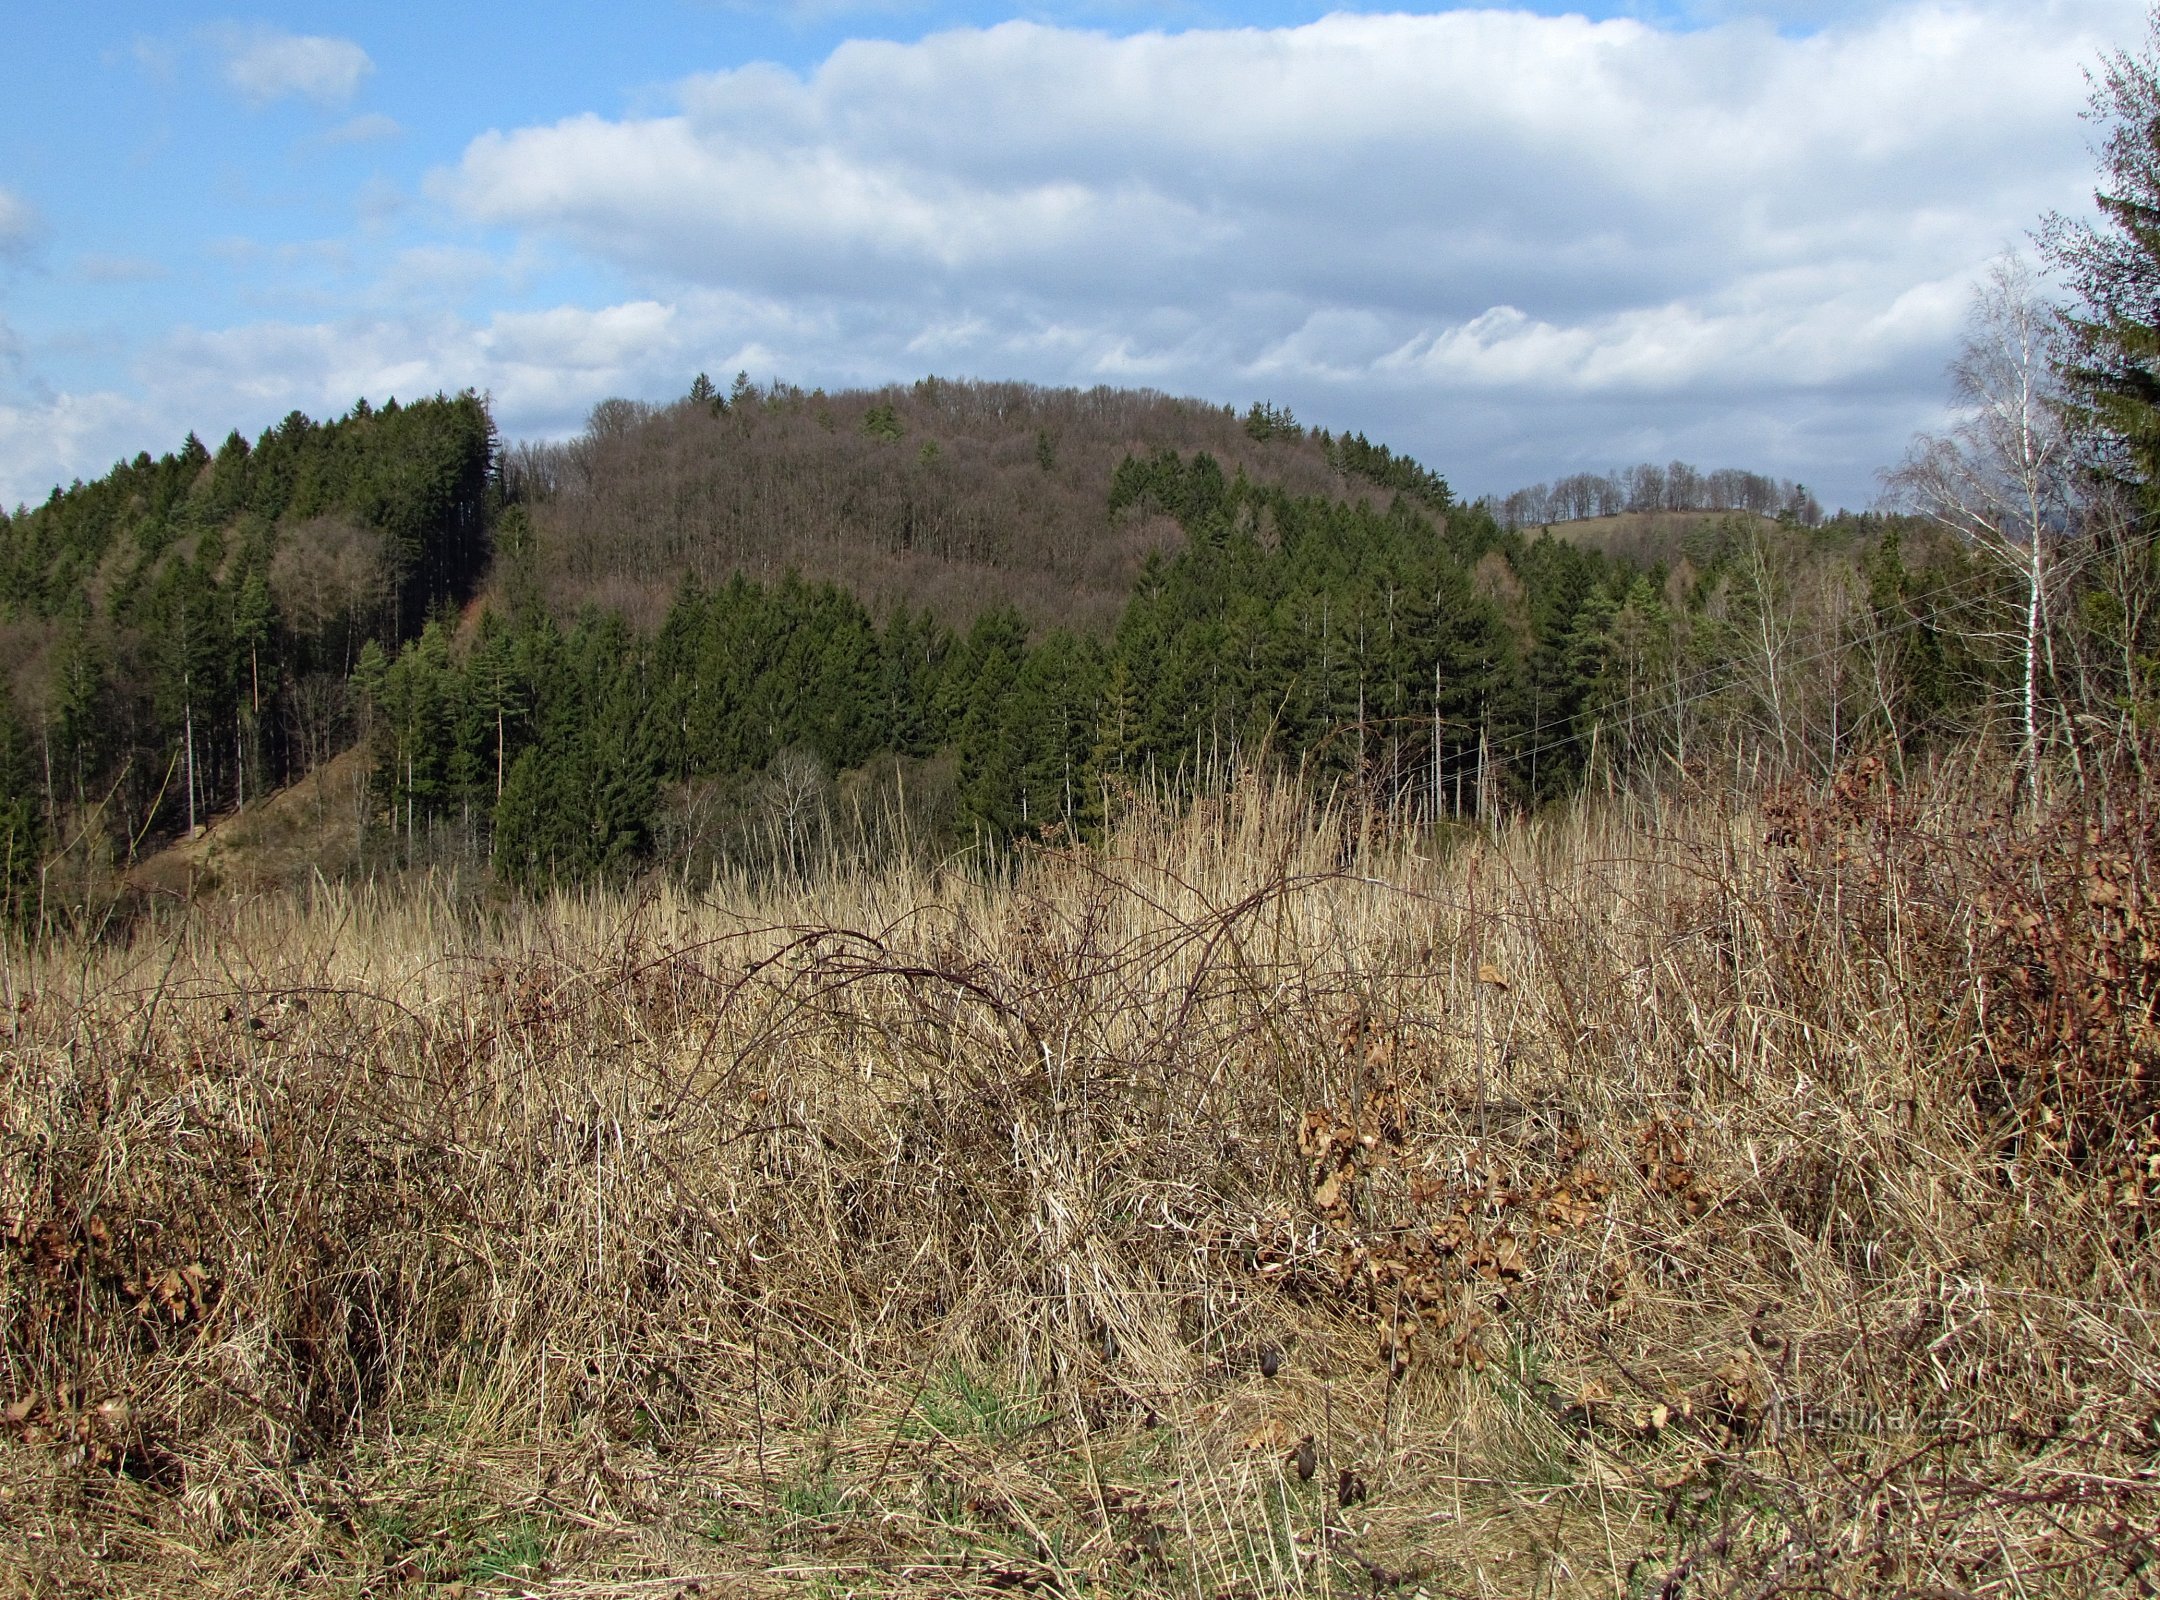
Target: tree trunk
x=187, y=723
x=2035, y=573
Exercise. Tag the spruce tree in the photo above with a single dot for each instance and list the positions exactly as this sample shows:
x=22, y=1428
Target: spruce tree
x=2111, y=263
x=22, y=818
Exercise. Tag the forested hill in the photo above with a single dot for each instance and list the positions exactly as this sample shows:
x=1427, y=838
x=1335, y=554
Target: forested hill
x=178, y=634
x=192, y=630
x=955, y=497
x=1443, y=666
x=415, y=477
x=700, y=631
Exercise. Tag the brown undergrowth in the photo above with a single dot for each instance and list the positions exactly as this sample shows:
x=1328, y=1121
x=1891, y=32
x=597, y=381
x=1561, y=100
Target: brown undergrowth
x=1656, y=1201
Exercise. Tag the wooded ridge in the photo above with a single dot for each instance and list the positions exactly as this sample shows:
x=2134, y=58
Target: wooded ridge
x=679, y=631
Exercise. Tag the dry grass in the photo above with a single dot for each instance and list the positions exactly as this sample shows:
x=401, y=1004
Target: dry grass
x=1654, y=1202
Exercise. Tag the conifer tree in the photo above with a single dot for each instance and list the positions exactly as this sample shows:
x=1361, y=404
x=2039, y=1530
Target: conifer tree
x=2111, y=263
x=23, y=834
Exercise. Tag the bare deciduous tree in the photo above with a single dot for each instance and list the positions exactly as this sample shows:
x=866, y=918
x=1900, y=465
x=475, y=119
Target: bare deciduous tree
x=331, y=573
x=647, y=495
x=2002, y=477
x=793, y=792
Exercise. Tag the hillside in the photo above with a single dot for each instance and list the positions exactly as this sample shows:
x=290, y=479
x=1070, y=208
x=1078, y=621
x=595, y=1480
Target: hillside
x=180, y=634
x=948, y=496
x=191, y=632
x=1664, y=538
x=196, y=629
x=312, y=828
x=966, y=615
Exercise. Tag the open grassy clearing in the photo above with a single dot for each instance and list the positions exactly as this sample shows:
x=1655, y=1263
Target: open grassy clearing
x=1660, y=1200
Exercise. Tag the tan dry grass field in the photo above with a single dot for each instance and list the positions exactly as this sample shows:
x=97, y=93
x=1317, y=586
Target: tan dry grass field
x=1664, y=1201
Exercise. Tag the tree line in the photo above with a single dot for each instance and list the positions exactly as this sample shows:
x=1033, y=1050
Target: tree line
x=258, y=609
x=1649, y=487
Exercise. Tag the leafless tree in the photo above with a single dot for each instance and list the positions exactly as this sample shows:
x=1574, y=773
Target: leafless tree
x=329, y=573
x=2002, y=477
x=794, y=792
x=1650, y=489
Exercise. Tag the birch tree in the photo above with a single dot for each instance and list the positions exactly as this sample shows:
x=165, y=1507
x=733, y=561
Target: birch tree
x=2002, y=476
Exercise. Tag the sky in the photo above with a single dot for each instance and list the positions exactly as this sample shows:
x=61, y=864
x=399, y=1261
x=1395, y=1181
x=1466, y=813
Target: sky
x=1515, y=241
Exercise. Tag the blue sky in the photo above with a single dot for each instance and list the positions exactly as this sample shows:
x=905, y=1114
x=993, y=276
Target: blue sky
x=1516, y=241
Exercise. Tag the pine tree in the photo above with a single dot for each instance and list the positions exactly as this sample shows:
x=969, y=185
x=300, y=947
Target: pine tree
x=22, y=819
x=987, y=731
x=80, y=714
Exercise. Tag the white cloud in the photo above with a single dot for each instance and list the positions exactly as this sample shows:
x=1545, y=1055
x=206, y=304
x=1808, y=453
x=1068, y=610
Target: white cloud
x=1361, y=158
x=1474, y=202
x=368, y=128
x=48, y=439
x=22, y=230
x=1512, y=244
x=265, y=64
x=544, y=369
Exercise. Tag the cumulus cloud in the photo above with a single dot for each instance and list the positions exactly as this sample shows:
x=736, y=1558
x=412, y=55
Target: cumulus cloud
x=265, y=64
x=1474, y=202
x=48, y=435
x=544, y=369
x=1413, y=165
x=1514, y=244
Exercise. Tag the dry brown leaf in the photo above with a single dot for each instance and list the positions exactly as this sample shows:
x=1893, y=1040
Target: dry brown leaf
x=1329, y=1194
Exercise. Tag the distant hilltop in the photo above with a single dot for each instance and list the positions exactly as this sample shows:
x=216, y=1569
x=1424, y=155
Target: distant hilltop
x=1650, y=487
